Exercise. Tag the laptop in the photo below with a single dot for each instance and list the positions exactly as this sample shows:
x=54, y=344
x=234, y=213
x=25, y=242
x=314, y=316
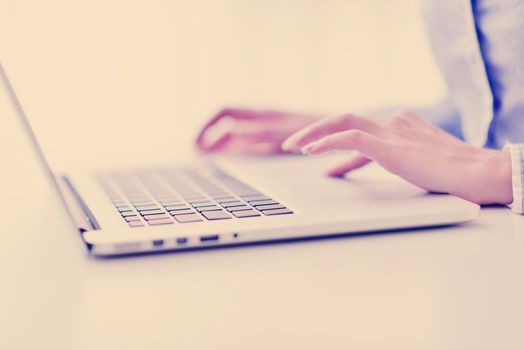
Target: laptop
x=216, y=202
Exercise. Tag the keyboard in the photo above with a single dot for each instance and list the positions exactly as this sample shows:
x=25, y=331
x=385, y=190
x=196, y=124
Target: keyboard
x=168, y=196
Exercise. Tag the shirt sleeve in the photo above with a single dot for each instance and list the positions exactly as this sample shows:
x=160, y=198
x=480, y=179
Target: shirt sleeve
x=444, y=115
x=517, y=177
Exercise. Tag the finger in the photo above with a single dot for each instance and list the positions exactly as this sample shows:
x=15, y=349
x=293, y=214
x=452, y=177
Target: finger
x=241, y=135
x=326, y=127
x=219, y=143
x=262, y=148
x=256, y=132
x=227, y=112
x=244, y=141
x=368, y=145
x=239, y=146
x=353, y=163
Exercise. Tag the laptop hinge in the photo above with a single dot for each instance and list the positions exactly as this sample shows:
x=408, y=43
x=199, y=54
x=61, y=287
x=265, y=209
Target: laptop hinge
x=78, y=210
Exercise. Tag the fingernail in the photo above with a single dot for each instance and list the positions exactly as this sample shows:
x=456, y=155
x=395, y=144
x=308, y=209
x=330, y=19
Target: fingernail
x=307, y=149
x=286, y=145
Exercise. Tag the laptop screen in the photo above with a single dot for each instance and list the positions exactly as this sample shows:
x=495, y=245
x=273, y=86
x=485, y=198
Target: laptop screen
x=8, y=95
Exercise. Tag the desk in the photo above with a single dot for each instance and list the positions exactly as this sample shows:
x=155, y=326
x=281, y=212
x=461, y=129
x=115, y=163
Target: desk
x=453, y=288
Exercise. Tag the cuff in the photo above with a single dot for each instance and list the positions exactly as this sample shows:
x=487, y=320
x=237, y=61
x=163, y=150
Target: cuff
x=517, y=177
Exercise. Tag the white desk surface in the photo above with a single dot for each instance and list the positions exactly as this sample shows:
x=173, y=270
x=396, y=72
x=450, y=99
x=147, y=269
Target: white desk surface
x=452, y=288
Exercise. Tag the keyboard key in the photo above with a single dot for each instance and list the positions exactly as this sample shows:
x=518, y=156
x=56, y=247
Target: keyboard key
x=135, y=224
x=277, y=211
x=257, y=197
x=216, y=195
x=153, y=211
x=143, y=202
x=188, y=218
x=239, y=208
x=203, y=204
x=232, y=204
x=271, y=206
x=128, y=213
x=147, y=207
x=262, y=202
x=160, y=222
x=132, y=218
x=163, y=199
x=246, y=193
x=156, y=217
x=208, y=208
x=246, y=213
x=177, y=207
x=182, y=212
x=172, y=203
x=216, y=215
x=195, y=199
x=123, y=205
x=124, y=209
x=225, y=199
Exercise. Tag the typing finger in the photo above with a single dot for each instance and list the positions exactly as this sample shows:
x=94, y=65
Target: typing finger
x=368, y=145
x=219, y=143
x=231, y=145
x=252, y=139
x=326, y=127
x=227, y=112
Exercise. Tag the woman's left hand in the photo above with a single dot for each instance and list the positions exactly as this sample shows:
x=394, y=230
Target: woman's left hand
x=413, y=149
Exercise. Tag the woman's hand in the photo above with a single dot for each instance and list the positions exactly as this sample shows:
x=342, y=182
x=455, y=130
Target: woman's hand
x=413, y=149
x=248, y=131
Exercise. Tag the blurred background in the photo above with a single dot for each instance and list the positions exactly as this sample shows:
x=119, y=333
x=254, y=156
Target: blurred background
x=113, y=82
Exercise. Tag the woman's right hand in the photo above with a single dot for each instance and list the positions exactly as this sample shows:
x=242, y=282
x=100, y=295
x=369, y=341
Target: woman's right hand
x=250, y=131
x=412, y=148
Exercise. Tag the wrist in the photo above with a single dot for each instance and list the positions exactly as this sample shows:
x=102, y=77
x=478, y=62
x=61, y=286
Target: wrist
x=491, y=178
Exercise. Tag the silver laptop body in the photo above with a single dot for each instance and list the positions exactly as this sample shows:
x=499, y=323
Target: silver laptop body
x=215, y=202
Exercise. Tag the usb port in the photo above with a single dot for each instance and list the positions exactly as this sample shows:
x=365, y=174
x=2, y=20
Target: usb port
x=181, y=240
x=158, y=242
x=208, y=238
